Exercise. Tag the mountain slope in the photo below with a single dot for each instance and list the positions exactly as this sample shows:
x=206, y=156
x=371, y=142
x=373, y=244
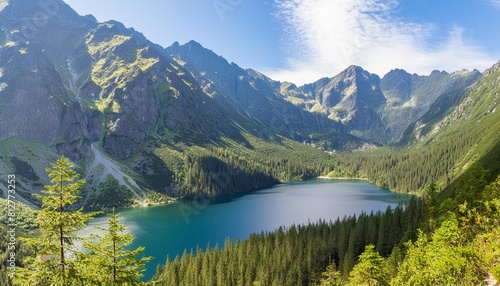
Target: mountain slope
x=457, y=142
x=440, y=108
x=95, y=92
x=478, y=117
x=353, y=98
x=410, y=96
x=32, y=88
x=129, y=111
x=251, y=96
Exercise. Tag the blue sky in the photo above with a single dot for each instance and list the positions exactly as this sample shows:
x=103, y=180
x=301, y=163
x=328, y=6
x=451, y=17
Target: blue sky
x=303, y=40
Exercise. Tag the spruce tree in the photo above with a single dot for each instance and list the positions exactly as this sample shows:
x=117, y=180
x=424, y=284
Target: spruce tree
x=331, y=276
x=54, y=264
x=369, y=270
x=107, y=261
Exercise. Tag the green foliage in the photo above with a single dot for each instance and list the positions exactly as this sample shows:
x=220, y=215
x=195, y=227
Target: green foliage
x=110, y=195
x=210, y=175
x=464, y=250
x=369, y=270
x=443, y=260
x=59, y=227
x=25, y=216
x=232, y=169
x=107, y=261
x=294, y=256
x=331, y=277
x=55, y=258
x=19, y=249
x=432, y=203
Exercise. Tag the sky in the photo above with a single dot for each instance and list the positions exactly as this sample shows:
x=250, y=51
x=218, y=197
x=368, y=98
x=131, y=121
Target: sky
x=303, y=40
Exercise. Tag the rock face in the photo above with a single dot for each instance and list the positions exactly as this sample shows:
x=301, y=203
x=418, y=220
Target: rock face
x=410, y=96
x=93, y=90
x=352, y=98
x=459, y=108
x=35, y=104
x=248, y=95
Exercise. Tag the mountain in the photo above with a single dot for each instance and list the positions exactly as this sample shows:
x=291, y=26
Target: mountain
x=353, y=102
x=410, y=96
x=96, y=92
x=32, y=88
x=131, y=113
x=253, y=98
x=453, y=144
x=352, y=98
x=377, y=109
x=475, y=120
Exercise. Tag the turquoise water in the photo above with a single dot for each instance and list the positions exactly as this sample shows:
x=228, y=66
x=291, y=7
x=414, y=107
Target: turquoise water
x=168, y=230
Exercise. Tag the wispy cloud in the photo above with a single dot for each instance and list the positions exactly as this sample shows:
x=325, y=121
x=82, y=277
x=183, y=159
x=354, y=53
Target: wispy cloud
x=324, y=37
x=496, y=3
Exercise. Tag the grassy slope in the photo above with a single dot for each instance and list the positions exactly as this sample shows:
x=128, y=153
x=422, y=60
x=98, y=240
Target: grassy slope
x=467, y=137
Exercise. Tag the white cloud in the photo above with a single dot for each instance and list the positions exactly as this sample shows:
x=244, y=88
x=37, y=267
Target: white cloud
x=496, y=3
x=324, y=37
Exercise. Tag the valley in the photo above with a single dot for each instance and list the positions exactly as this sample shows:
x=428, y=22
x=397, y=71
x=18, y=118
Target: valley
x=117, y=94
x=140, y=122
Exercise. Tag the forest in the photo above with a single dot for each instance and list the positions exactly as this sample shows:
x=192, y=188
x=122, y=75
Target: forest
x=437, y=239
x=449, y=235
x=51, y=255
x=296, y=255
x=426, y=242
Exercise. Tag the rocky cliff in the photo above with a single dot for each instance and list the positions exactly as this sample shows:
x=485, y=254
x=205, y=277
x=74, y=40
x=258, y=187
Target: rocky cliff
x=107, y=97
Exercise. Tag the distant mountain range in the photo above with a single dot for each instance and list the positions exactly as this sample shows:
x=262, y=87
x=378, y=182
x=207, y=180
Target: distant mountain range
x=105, y=96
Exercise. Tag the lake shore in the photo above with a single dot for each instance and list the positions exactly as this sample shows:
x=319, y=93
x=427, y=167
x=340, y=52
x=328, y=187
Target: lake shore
x=340, y=178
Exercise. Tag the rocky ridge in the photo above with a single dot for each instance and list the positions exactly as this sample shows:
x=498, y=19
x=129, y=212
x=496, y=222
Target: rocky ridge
x=105, y=96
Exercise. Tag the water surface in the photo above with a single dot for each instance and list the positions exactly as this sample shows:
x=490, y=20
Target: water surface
x=185, y=224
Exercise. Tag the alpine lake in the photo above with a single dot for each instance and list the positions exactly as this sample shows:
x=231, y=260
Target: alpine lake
x=168, y=230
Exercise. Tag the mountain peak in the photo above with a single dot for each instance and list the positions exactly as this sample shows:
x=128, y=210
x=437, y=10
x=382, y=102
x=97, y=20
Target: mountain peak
x=396, y=72
x=3, y=4
x=493, y=69
x=353, y=71
x=36, y=13
x=437, y=72
x=192, y=46
x=193, y=43
x=354, y=68
x=175, y=45
x=194, y=52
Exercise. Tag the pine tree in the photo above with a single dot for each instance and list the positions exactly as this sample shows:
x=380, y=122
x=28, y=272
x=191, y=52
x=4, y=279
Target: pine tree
x=331, y=277
x=107, y=261
x=432, y=203
x=369, y=270
x=59, y=225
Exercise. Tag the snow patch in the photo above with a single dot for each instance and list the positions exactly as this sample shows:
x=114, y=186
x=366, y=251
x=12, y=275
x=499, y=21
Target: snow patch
x=3, y=4
x=3, y=85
